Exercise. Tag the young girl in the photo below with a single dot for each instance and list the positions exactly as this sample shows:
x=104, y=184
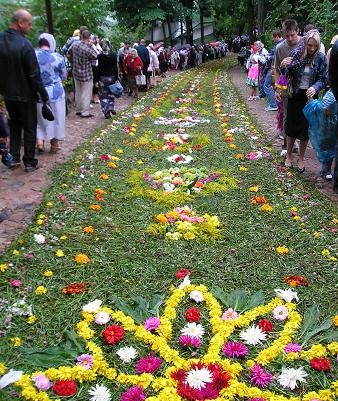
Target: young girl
x=252, y=79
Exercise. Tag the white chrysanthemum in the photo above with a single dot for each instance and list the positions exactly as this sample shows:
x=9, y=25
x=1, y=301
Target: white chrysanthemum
x=193, y=330
x=253, y=335
x=287, y=295
x=185, y=282
x=92, y=307
x=127, y=354
x=289, y=377
x=167, y=186
x=197, y=296
x=197, y=378
x=99, y=393
x=39, y=238
x=102, y=317
x=10, y=377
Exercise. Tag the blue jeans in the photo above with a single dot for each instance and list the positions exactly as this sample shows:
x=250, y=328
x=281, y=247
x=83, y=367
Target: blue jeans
x=270, y=94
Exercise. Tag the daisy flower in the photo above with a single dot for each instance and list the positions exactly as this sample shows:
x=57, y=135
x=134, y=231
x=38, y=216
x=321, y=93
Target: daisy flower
x=198, y=378
x=127, y=354
x=99, y=393
x=280, y=312
x=290, y=376
x=253, y=335
x=193, y=330
x=102, y=317
x=197, y=296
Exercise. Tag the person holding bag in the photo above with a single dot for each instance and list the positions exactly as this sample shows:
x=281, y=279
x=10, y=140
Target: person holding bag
x=133, y=66
x=307, y=68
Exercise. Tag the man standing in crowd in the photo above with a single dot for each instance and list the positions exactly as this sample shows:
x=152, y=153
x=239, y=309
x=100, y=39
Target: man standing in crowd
x=282, y=59
x=81, y=55
x=20, y=84
x=333, y=80
x=143, y=53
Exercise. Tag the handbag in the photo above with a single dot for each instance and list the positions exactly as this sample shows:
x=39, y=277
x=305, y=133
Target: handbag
x=47, y=113
x=116, y=89
x=153, y=81
x=284, y=86
x=140, y=79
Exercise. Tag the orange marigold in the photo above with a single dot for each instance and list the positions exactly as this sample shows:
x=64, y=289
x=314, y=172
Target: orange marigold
x=104, y=177
x=160, y=218
x=88, y=230
x=95, y=207
x=258, y=199
x=76, y=288
x=296, y=281
x=228, y=139
x=239, y=156
x=81, y=258
x=112, y=165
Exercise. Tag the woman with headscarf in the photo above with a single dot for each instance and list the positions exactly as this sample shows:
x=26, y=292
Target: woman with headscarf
x=262, y=58
x=108, y=74
x=133, y=66
x=53, y=72
x=306, y=73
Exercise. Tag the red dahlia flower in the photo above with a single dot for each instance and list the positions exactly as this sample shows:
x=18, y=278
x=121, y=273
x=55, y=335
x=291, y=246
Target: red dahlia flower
x=193, y=315
x=113, y=334
x=65, y=388
x=320, y=364
x=265, y=325
x=182, y=273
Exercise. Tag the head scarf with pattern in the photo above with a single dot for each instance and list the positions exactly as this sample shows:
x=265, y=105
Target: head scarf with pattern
x=50, y=39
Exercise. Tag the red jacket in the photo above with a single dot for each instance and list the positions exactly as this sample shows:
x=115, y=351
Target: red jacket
x=133, y=66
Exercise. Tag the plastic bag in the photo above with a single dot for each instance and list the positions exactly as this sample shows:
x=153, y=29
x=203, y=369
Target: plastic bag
x=140, y=79
x=321, y=130
x=116, y=89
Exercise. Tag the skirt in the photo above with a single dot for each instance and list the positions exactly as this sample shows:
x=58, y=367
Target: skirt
x=47, y=130
x=297, y=125
x=252, y=79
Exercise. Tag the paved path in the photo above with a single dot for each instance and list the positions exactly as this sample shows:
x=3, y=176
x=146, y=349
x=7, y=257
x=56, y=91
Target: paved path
x=266, y=120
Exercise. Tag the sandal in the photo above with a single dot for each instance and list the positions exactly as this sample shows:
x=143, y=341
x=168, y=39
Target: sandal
x=54, y=146
x=288, y=164
x=40, y=147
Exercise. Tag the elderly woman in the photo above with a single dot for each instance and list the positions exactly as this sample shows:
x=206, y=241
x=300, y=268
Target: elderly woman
x=53, y=72
x=306, y=69
x=133, y=66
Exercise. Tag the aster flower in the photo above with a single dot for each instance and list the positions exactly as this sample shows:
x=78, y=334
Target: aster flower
x=253, y=335
x=229, y=314
x=290, y=376
x=85, y=360
x=99, y=393
x=148, y=364
x=235, y=349
x=152, y=323
x=260, y=377
x=193, y=330
x=135, y=393
x=42, y=382
x=92, y=307
x=292, y=347
x=280, y=312
x=197, y=296
x=39, y=238
x=286, y=295
x=198, y=378
x=102, y=317
x=127, y=354
x=187, y=341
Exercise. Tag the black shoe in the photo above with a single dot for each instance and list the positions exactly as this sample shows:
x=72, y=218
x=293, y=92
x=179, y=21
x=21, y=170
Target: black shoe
x=78, y=113
x=6, y=157
x=13, y=165
x=87, y=115
x=113, y=112
x=107, y=116
x=29, y=168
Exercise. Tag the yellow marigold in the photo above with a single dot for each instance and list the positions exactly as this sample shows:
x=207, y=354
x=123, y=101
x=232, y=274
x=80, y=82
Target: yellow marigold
x=15, y=252
x=49, y=204
x=115, y=158
x=325, y=252
x=316, y=234
x=59, y=253
x=95, y=207
x=335, y=320
x=297, y=218
x=42, y=216
x=31, y=319
x=282, y=250
x=189, y=236
x=40, y=290
x=119, y=151
x=266, y=208
x=63, y=237
x=64, y=185
x=39, y=222
x=16, y=341
x=111, y=164
x=81, y=258
x=160, y=218
x=243, y=168
x=88, y=230
x=140, y=162
x=333, y=347
x=3, y=267
x=254, y=188
x=104, y=177
x=335, y=220
x=48, y=273
x=2, y=368
x=232, y=146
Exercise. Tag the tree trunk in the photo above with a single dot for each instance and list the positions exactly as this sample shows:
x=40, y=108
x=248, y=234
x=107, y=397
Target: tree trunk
x=260, y=17
x=49, y=16
x=170, y=34
x=181, y=23
x=202, y=26
x=189, y=31
x=251, y=20
x=164, y=34
x=152, y=33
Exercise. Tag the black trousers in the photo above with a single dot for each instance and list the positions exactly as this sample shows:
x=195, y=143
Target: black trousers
x=3, y=129
x=22, y=117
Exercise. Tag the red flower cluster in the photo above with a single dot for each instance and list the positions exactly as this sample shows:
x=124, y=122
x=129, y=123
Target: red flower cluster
x=113, y=334
x=265, y=325
x=321, y=364
x=296, y=281
x=210, y=391
x=76, y=288
x=105, y=157
x=182, y=273
x=193, y=315
x=65, y=388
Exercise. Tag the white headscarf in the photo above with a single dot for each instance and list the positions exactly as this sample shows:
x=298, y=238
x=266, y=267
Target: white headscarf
x=50, y=39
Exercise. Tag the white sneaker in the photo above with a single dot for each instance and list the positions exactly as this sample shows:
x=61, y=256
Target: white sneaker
x=328, y=177
x=284, y=152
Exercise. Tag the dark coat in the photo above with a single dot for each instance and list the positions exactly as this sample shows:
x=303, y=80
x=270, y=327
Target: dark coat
x=20, y=79
x=333, y=70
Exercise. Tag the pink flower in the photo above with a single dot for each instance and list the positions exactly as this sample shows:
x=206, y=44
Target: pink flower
x=16, y=283
x=152, y=323
x=135, y=393
x=280, y=312
x=292, y=347
x=234, y=349
x=188, y=341
x=42, y=382
x=148, y=364
x=260, y=377
x=229, y=314
x=85, y=360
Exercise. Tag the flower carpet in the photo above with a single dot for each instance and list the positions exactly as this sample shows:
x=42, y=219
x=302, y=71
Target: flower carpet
x=174, y=258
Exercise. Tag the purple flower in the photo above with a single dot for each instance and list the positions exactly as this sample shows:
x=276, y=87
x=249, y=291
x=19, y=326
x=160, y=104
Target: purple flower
x=85, y=360
x=188, y=341
x=148, y=364
x=42, y=382
x=292, y=347
x=260, y=377
x=234, y=349
x=135, y=393
x=152, y=323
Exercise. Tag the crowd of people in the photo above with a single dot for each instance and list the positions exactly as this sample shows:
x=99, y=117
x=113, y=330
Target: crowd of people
x=291, y=76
